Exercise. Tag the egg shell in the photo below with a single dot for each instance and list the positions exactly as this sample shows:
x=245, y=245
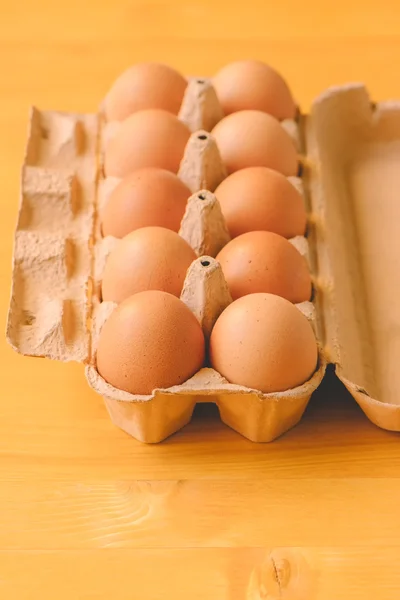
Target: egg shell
x=262, y=261
x=142, y=86
x=146, y=197
x=251, y=138
x=151, y=340
x=148, y=138
x=258, y=198
x=151, y=258
x=263, y=342
x=253, y=85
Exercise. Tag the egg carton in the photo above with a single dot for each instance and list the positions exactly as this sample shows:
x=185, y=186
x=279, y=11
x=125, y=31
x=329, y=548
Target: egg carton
x=348, y=149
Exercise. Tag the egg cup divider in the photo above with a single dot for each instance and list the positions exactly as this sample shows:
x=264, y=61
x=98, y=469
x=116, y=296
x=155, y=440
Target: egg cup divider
x=55, y=310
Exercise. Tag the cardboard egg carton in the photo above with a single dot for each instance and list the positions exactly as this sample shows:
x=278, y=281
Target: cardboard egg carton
x=348, y=149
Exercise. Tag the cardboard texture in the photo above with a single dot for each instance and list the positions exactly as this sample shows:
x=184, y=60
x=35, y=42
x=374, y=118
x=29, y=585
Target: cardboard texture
x=349, y=150
x=353, y=148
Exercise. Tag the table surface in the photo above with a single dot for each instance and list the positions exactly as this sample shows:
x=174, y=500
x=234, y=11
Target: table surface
x=88, y=512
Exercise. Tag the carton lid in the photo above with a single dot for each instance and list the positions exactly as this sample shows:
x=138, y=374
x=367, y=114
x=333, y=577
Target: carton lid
x=353, y=182
x=52, y=257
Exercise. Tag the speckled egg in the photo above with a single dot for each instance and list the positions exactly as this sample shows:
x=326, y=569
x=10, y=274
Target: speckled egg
x=142, y=86
x=151, y=258
x=251, y=138
x=146, y=197
x=148, y=138
x=258, y=198
x=262, y=261
x=151, y=340
x=253, y=85
x=264, y=342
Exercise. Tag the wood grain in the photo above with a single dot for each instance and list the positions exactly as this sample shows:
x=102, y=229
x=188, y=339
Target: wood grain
x=185, y=514
x=85, y=511
x=217, y=573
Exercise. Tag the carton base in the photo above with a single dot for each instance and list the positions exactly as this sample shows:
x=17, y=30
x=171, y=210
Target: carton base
x=258, y=417
x=151, y=422
x=384, y=415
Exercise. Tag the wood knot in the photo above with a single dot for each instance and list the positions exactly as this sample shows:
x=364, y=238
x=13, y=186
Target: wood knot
x=282, y=571
x=285, y=573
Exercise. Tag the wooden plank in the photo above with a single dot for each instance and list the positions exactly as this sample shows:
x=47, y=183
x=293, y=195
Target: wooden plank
x=217, y=573
x=158, y=514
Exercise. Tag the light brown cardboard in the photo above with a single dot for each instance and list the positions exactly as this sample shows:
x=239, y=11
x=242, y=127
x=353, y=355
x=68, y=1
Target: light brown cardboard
x=52, y=263
x=203, y=225
x=200, y=106
x=354, y=181
x=350, y=152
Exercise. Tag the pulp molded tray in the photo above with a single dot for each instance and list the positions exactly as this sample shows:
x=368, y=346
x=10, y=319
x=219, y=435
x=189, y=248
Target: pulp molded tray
x=348, y=154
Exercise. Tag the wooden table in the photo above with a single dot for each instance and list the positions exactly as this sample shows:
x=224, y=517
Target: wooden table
x=87, y=512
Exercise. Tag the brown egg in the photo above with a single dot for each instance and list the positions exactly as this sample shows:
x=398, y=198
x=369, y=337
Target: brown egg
x=262, y=261
x=251, y=138
x=146, y=197
x=262, y=341
x=151, y=340
x=151, y=258
x=260, y=199
x=253, y=85
x=148, y=138
x=145, y=85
